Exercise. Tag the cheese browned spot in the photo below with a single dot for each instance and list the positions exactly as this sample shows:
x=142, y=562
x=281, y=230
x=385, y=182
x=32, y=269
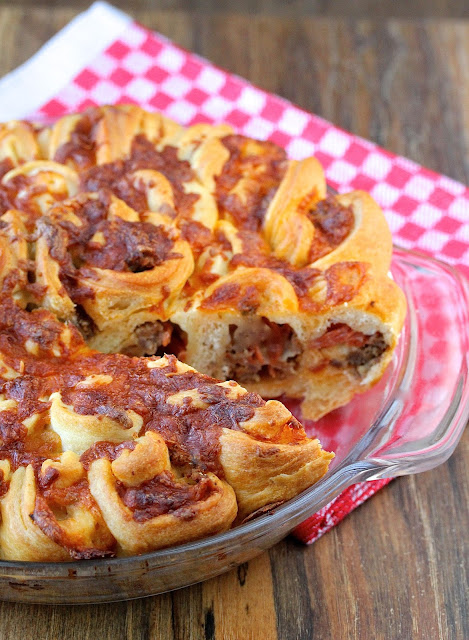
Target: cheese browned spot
x=116, y=175
x=258, y=167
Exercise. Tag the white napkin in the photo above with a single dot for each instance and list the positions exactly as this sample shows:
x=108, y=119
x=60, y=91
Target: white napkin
x=39, y=79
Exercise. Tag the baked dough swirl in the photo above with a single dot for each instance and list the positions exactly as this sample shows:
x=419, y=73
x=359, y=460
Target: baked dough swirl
x=125, y=237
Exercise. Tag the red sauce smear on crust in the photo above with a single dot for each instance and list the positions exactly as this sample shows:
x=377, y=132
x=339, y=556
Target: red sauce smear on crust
x=50, y=500
x=333, y=223
x=163, y=494
x=124, y=246
x=80, y=149
x=261, y=166
x=116, y=176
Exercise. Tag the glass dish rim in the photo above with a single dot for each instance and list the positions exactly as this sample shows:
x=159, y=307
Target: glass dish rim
x=348, y=472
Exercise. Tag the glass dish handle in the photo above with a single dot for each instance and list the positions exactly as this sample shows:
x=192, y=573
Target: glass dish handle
x=430, y=410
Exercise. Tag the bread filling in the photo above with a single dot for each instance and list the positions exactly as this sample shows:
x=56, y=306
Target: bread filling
x=260, y=349
x=264, y=349
x=343, y=347
x=157, y=338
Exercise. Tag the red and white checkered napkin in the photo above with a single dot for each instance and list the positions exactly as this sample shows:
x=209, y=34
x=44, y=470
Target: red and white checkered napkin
x=104, y=57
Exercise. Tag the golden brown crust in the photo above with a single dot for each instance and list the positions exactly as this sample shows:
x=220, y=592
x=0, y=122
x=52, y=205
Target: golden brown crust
x=124, y=232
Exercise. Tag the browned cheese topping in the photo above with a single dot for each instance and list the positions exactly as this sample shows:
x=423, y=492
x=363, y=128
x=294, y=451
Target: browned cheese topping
x=262, y=165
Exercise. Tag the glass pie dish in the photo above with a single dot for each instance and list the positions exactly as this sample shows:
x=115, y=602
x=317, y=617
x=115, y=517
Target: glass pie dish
x=410, y=422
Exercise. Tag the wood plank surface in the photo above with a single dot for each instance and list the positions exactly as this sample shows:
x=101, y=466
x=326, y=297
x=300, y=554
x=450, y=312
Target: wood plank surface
x=294, y=8
x=397, y=568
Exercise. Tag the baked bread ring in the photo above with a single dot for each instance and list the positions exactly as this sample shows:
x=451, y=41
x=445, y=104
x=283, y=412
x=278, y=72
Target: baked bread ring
x=129, y=246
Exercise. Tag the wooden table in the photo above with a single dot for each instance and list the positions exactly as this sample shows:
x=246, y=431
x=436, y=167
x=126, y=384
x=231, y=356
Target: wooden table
x=397, y=567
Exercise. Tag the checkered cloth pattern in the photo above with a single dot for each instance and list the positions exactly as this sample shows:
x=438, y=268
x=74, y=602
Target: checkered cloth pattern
x=426, y=211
